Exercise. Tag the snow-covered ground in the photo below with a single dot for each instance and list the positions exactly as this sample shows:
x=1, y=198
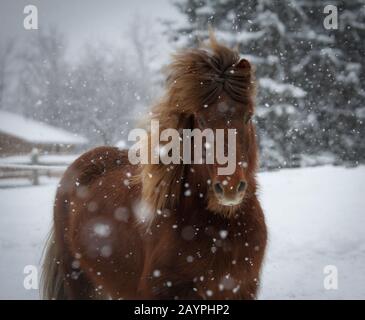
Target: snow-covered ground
x=315, y=216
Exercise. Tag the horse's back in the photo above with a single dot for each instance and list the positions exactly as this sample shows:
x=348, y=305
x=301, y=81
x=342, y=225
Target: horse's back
x=93, y=164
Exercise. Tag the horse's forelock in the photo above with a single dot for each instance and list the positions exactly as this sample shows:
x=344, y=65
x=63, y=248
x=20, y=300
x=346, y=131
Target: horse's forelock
x=199, y=76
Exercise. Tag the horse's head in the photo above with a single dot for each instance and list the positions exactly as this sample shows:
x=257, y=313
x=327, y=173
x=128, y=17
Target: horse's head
x=209, y=88
x=216, y=88
x=230, y=177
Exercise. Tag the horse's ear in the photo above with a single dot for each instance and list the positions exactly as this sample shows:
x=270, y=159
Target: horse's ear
x=244, y=64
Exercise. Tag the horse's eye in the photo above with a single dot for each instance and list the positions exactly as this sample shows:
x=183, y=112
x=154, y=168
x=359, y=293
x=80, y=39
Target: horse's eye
x=248, y=117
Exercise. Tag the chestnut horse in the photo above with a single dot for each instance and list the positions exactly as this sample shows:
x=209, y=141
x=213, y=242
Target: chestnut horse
x=156, y=231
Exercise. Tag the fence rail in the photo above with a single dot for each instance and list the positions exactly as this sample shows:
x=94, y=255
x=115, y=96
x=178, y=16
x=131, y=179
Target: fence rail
x=31, y=168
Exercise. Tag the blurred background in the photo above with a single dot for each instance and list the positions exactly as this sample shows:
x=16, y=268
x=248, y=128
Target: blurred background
x=93, y=69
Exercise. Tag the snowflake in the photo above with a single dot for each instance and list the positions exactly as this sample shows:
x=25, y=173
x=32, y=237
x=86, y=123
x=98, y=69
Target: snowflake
x=223, y=234
x=156, y=273
x=102, y=230
x=187, y=193
x=106, y=251
x=189, y=259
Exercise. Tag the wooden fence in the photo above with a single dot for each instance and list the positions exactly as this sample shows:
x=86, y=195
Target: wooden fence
x=31, y=168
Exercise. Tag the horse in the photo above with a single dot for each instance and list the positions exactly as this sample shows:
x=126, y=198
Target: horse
x=157, y=231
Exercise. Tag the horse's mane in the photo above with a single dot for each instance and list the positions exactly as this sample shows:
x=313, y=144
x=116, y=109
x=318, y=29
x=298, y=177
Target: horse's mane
x=196, y=77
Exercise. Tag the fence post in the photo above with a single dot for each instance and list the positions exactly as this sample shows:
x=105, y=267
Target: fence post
x=34, y=157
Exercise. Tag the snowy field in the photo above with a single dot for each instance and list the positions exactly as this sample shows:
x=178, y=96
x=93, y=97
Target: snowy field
x=315, y=216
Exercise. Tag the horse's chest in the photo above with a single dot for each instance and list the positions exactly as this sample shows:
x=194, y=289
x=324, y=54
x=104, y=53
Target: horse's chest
x=211, y=257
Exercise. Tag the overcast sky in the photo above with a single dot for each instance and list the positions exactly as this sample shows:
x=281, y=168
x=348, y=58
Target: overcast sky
x=82, y=20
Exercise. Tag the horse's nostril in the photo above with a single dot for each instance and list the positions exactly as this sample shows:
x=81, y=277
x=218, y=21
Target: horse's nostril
x=241, y=186
x=218, y=188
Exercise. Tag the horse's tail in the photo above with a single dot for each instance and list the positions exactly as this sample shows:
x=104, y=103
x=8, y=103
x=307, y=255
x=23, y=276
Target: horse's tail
x=53, y=275
x=53, y=272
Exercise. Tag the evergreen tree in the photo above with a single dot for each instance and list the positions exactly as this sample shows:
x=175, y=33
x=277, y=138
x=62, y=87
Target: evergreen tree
x=309, y=95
